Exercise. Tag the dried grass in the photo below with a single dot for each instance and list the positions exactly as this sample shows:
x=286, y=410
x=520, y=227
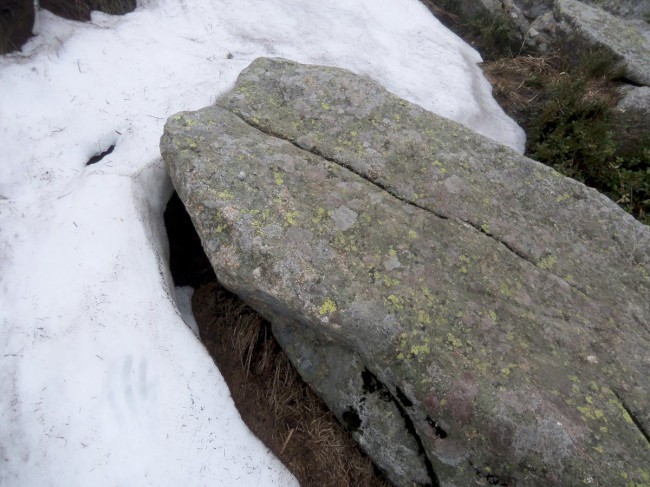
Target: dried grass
x=278, y=406
x=519, y=81
x=523, y=84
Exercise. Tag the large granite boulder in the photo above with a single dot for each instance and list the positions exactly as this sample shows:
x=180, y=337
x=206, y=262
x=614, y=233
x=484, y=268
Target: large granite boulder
x=585, y=28
x=471, y=315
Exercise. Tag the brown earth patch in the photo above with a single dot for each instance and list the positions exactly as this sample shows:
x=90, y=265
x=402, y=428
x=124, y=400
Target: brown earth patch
x=276, y=404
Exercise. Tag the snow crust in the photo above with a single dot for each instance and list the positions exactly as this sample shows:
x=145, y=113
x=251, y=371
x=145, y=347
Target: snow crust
x=101, y=381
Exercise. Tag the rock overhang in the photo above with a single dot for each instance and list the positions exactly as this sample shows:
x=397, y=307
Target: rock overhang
x=452, y=269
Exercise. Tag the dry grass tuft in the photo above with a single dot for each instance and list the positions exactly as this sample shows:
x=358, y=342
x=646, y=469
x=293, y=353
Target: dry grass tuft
x=521, y=78
x=523, y=84
x=274, y=401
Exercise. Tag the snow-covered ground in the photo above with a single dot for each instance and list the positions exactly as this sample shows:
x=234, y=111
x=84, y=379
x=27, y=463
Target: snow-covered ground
x=101, y=380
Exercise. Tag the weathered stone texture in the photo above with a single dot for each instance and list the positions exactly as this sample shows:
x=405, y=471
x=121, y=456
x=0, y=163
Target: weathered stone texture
x=473, y=316
x=631, y=119
x=586, y=27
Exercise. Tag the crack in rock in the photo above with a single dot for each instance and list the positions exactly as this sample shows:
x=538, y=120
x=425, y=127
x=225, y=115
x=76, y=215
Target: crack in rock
x=388, y=190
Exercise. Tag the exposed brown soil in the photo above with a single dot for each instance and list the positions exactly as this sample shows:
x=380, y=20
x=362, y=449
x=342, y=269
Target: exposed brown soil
x=276, y=404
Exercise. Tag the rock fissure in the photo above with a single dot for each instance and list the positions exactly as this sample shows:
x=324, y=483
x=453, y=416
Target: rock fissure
x=521, y=255
x=437, y=429
x=372, y=385
x=633, y=417
x=407, y=201
x=318, y=153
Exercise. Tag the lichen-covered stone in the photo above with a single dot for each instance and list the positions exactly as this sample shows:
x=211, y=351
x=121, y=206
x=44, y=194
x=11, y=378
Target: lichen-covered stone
x=586, y=28
x=472, y=316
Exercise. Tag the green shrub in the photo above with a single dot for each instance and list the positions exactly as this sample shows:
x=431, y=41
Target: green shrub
x=498, y=35
x=571, y=133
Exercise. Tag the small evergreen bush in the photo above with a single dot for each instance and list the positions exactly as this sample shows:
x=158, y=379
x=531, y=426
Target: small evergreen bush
x=571, y=133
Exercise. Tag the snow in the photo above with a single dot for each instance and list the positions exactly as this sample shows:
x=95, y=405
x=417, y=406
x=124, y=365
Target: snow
x=102, y=381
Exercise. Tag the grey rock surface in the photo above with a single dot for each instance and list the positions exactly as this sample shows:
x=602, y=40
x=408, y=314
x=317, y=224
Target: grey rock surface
x=587, y=28
x=628, y=9
x=472, y=316
x=631, y=118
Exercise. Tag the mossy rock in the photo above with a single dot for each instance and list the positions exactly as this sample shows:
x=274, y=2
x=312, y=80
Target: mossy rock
x=471, y=315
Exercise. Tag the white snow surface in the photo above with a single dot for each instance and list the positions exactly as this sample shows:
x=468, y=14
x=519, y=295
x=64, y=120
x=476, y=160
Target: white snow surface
x=101, y=381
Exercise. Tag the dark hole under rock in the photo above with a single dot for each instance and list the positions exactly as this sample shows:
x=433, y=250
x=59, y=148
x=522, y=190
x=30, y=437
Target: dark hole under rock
x=188, y=263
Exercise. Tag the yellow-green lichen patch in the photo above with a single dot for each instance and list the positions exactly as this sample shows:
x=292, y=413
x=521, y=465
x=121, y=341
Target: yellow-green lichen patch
x=506, y=289
x=318, y=217
x=454, y=341
x=395, y=302
x=588, y=411
x=189, y=142
x=424, y=318
x=547, y=262
x=389, y=281
x=290, y=218
x=328, y=306
x=226, y=195
x=412, y=235
x=188, y=122
x=505, y=371
x=562, y=197
x=421, y=349
x=278, y=178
